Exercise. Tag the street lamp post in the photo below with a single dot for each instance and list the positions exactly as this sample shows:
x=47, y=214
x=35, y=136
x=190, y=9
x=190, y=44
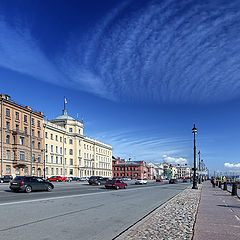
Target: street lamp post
x=199, y=168
x=194, y=131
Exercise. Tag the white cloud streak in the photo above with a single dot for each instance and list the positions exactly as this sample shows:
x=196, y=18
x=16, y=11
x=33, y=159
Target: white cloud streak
x=140, y=146
x=232, y=165
x=175, y=160
x=141, y=51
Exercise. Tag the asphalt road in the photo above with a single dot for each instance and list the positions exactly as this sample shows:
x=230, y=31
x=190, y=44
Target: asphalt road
x=78, y=211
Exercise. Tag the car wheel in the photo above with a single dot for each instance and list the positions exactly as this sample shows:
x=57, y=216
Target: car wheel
x=125, y=187
x=57, y=180
x=117, y=187
x=28, y=189
x=98, y=183
x=49, y=188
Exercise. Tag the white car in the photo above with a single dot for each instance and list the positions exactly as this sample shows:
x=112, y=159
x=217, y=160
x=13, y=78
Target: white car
x=141, y=181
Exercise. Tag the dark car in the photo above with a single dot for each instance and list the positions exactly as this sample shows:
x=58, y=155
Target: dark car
x=172, y=181
x=115, y=184
x=159, y=180
x=184, y=180
x=6, y=179
x=28, y=184
x=96, y=180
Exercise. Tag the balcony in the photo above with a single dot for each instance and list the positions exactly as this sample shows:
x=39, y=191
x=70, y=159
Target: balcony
x=18, y=132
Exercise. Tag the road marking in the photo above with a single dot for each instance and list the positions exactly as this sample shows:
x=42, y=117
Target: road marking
x=77, y=195
x=237, y=218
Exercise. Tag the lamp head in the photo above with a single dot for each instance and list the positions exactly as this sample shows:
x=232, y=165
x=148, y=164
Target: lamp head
x=194, y=130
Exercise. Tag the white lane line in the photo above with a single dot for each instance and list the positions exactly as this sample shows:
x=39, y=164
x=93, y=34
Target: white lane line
x=77, y=195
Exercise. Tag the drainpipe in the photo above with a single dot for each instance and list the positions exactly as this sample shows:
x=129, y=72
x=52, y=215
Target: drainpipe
x=44, y=152
x=31, y=141
x=1, y=137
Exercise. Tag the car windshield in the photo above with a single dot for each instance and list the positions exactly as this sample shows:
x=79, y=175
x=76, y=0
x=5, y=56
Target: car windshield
x=111, y=181
x=18, y=178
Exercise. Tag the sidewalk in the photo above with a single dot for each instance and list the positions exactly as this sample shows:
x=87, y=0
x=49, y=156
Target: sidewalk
x=218, y=215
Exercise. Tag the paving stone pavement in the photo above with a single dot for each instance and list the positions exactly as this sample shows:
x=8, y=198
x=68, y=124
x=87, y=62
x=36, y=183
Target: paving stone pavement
x=218, y=215
x=174, y=220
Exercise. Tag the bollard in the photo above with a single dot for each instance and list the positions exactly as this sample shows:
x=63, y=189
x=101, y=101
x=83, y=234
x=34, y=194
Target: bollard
x=225, y=186
x=234, y=189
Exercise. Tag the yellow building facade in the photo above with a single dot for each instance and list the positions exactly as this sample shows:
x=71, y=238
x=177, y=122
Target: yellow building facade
x=71, y=154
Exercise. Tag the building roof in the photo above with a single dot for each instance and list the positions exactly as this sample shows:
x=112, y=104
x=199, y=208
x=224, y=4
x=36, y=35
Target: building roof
x=129, y=164
x=64, y=116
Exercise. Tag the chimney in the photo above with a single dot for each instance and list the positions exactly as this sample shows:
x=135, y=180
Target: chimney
x=5, y=96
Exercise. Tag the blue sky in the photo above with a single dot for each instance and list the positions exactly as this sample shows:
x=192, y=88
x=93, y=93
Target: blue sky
x=140, y=72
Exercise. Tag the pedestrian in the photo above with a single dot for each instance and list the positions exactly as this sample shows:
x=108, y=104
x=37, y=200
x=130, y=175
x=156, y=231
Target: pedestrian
x=214, y=183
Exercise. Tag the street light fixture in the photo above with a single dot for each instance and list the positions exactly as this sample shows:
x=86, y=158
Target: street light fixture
x=194, y=131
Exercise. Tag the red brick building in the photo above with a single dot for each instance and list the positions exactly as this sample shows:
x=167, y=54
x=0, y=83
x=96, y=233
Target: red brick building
x=132, y=169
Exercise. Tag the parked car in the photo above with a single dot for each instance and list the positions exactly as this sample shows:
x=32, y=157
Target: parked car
x=84, y=179
x=126, y=179
x=75, y=179
x=96, y=180
x=141, y=181
x=29, y=184
x=159, y=180
x=172, y=181
x=68, y=179
x=6, y=179
x=57, y=179
x=115, y=184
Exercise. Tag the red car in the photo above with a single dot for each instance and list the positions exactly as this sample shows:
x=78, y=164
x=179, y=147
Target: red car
x=57, y=179
x=115, y=184
x=159, y=180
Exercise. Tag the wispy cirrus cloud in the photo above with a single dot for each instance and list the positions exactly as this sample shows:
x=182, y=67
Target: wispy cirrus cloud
x=146, y=146
x=167, y=51
x=141, y=51
x=20, y=52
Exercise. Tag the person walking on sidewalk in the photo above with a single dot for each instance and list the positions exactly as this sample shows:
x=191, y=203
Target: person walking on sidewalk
x=213, y=181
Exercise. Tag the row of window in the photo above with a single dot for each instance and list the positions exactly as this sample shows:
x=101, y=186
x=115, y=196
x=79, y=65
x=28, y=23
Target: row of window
x=100, y=150
x=60, y=150
x=25, y=117
x=25, y=129
x=58, y=171
x=60, y=138
x=125, y=168
x=98, y=158
x=21, y=141
x=17, y=170
x=59, y=160
x=21, y=156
